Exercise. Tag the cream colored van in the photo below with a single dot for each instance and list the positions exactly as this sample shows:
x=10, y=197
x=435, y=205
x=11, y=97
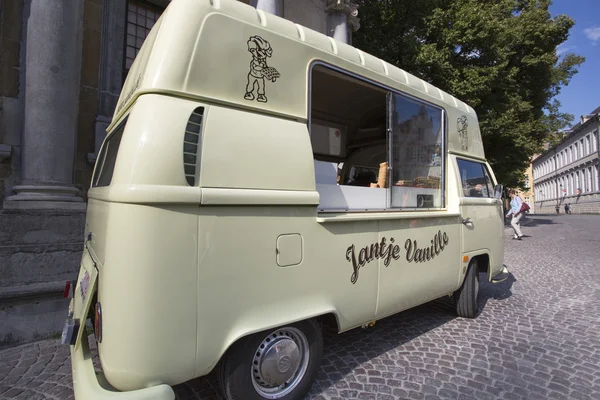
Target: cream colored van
x=260, y=179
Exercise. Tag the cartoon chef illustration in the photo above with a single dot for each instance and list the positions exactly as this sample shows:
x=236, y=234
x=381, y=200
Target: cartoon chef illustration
x=259, y=70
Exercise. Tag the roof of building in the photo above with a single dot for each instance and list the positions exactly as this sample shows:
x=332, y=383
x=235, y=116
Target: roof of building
x=570, y=132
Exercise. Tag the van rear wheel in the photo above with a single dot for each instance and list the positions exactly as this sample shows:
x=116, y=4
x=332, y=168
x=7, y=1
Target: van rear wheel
x=465, y=298
x=275, y=364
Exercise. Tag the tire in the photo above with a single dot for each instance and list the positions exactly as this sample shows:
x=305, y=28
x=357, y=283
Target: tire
x=465, y=298
x=241, y=377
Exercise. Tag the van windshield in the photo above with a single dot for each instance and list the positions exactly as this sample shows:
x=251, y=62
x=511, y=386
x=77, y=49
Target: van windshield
x=105, y=164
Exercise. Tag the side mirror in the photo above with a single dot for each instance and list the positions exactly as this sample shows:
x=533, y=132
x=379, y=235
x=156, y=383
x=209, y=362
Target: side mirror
x=498, y=191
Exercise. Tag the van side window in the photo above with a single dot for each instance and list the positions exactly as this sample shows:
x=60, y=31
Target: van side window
x=105, y=164
x=476, y=181
x=355, y=127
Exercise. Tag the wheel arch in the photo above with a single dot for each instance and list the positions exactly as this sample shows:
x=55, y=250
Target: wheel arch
x=485, y=263
x=327, y=321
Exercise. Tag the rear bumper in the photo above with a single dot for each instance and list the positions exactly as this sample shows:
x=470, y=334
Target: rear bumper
x=91, y=385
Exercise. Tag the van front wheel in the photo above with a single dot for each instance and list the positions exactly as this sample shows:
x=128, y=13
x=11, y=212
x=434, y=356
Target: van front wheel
x=465, y=298
x=276, y=364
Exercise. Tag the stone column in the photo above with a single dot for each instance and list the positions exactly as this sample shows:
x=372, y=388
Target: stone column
x=341, y=15
x=274, y=7
x=52, y=75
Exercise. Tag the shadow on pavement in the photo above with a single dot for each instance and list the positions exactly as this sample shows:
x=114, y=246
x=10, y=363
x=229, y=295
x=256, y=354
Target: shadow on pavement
x=496, y=291
x=536, y=221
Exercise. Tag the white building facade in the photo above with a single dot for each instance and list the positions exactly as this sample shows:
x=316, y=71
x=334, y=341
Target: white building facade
x=568, y=172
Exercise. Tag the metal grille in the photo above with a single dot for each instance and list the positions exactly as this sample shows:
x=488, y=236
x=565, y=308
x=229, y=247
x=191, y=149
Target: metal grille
x=141, y=17
x=191, y=142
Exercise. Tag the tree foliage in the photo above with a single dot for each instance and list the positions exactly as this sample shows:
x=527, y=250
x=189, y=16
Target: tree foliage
x=499, y=56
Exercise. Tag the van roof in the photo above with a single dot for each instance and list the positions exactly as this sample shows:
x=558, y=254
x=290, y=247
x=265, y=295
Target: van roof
x=204, y=49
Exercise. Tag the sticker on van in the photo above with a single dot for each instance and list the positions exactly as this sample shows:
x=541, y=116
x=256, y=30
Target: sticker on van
x=259, y=70
x=461, y=125
x=389, y=251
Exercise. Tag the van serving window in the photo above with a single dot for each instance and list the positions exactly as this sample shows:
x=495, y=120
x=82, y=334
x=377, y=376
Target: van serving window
x=353, y=136
x=418, y=154
x=105, y=165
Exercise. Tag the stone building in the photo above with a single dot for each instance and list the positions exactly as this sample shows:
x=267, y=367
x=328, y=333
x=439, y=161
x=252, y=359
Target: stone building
x=568, y=172
x=62, y=66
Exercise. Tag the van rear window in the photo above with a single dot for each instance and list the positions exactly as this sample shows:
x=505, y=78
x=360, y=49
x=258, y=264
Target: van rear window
x=107, y=159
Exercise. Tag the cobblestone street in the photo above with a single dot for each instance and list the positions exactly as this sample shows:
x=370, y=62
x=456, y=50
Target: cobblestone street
x=538, y=337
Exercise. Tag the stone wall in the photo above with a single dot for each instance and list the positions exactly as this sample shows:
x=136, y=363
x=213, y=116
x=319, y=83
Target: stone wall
x=39, y=251
x=304, y=13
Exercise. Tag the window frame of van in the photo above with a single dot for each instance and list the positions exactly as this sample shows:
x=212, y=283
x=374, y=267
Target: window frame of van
x=99, y=166
x=389, y=132
x=485, y=165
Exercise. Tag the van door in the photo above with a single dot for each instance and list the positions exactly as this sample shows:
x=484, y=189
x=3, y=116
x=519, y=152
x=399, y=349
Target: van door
x=481, y=213
x=420, y=250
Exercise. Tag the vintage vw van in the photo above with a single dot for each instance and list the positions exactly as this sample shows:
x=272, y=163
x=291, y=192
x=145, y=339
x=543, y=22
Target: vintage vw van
x=259, y=179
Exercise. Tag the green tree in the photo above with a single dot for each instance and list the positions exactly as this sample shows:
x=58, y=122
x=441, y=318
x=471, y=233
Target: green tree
x=499, y=56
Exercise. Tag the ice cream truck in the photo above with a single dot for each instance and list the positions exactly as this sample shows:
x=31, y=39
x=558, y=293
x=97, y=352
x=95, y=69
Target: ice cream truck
x=259, y=180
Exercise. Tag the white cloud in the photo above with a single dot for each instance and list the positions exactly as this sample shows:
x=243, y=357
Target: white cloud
x=593, y=33
x=563, y=49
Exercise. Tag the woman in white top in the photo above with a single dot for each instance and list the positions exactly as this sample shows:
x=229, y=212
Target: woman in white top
x=515, y=211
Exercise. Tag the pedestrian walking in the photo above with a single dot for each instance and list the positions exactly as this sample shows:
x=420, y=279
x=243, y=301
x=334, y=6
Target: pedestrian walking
x=515, y=210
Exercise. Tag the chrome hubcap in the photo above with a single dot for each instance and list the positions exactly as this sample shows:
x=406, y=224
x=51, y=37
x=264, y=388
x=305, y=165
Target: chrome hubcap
x=280, y=362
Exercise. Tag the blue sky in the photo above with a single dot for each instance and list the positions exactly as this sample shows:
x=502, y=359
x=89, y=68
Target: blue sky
x=582, y=95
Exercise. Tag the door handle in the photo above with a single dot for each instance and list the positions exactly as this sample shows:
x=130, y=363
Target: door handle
x=467, y=221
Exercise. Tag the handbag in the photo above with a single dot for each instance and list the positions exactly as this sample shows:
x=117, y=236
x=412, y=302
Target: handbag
x=524, y=207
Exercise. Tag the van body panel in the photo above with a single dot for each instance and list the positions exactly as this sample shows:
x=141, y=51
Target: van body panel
x=425, y=264
x=228, y=196
x=484, y=234
x=133, y=299
x=237, y=245
x=247, y=150
x=160, y=125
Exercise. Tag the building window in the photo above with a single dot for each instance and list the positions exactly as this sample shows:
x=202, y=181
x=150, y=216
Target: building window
x=141, y=17
x=571, y=184
x=571, y=154
x=587, y=145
